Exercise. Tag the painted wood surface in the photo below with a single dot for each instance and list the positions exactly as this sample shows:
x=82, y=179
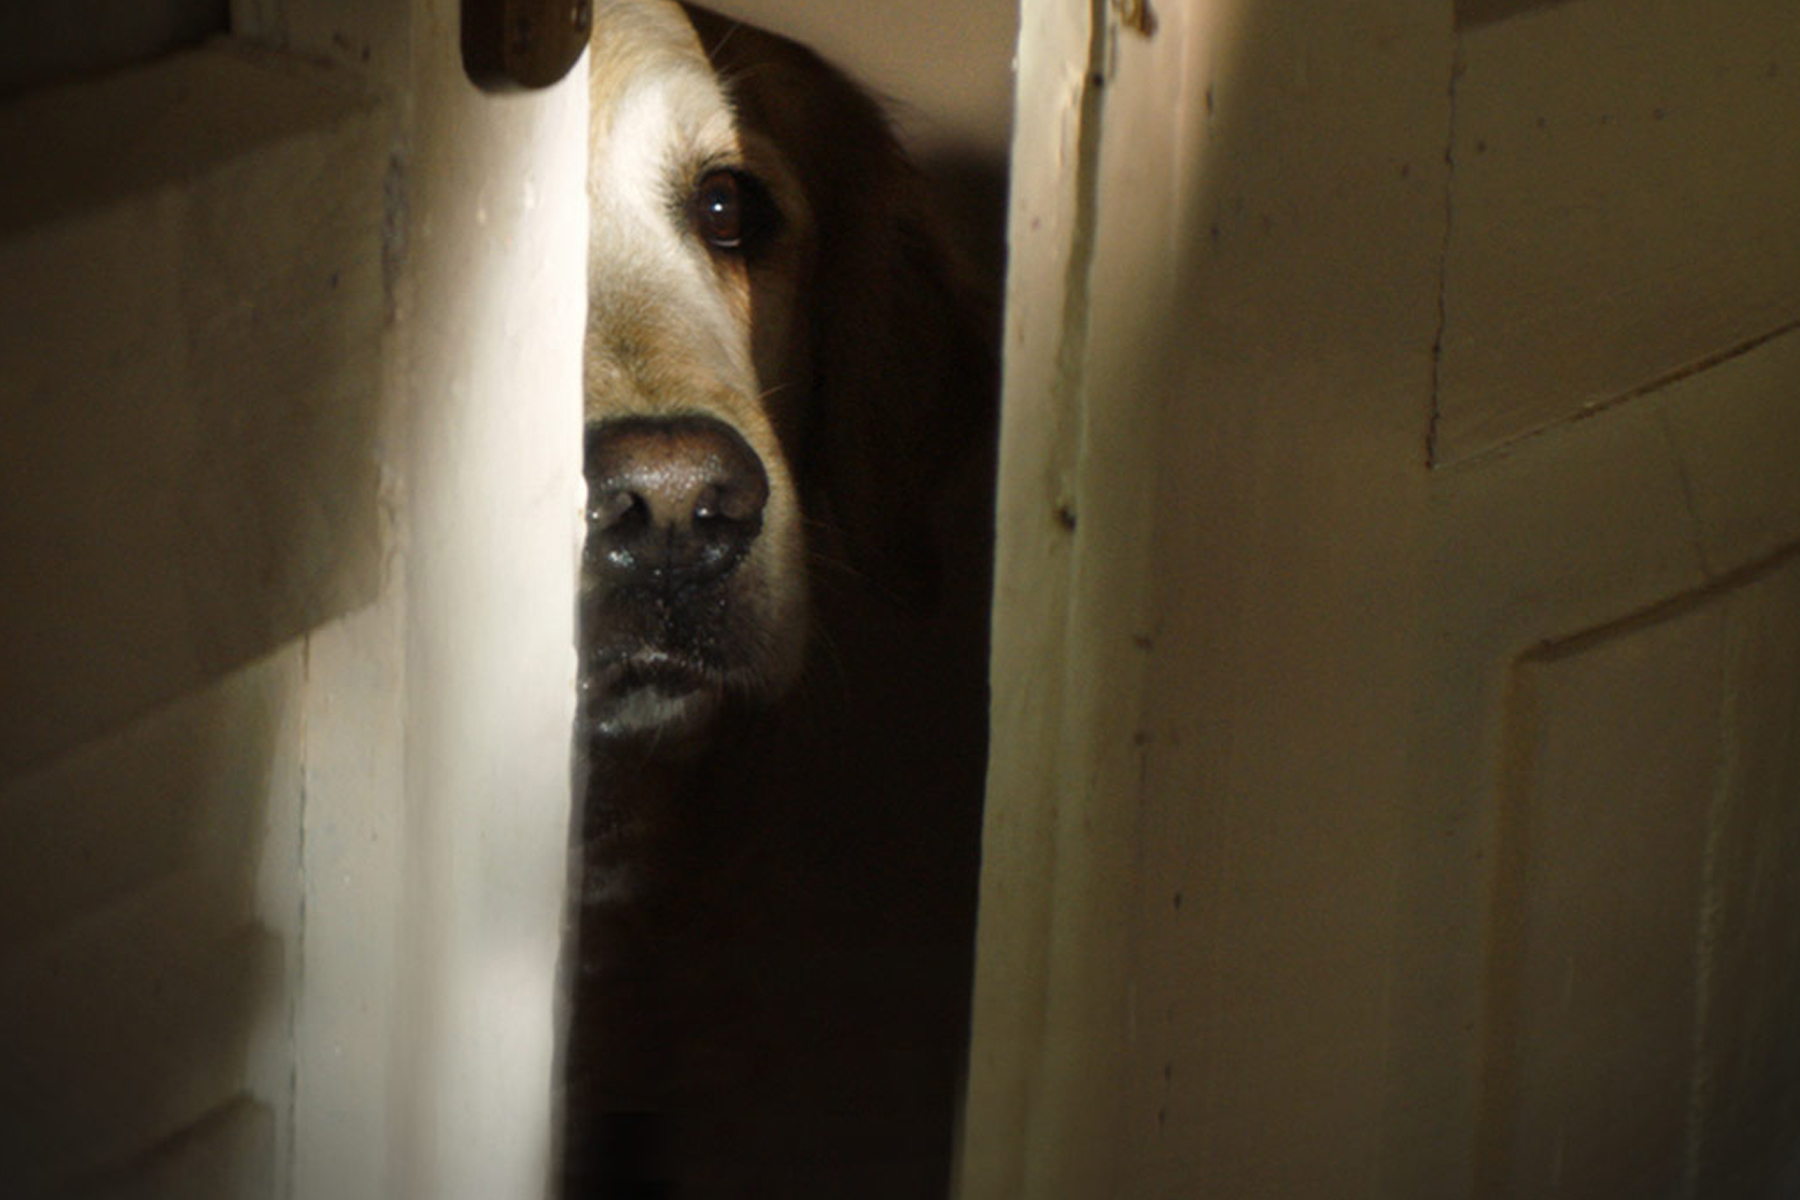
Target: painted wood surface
x=1410, y=819
x=1621, y=207
x=292, y=493
x=190, y=339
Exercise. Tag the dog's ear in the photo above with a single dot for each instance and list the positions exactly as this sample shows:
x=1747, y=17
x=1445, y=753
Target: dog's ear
x=906, y=372
x=903, y=347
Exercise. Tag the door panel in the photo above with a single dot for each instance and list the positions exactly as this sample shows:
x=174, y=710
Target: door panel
x=1594, y=547
x=1641, y=987
x=1610, y=759
x=190, y=333
x=290, y=510
x=138, y=969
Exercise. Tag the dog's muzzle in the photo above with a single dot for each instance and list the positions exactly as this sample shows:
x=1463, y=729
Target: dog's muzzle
x=675, y=505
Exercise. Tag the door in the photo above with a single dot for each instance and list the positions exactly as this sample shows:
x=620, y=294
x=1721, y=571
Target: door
x=290, y=497
x=1397, y=629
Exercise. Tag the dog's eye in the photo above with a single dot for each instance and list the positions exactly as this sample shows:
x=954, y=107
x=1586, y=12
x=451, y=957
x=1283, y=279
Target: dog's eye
x=719, y=211
x=731, y=211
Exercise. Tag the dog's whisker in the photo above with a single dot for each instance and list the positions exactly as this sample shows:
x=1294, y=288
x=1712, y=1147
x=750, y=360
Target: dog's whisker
x=718, y=47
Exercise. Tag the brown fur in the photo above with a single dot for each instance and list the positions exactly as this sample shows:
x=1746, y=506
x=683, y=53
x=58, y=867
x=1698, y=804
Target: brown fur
x=774, y=953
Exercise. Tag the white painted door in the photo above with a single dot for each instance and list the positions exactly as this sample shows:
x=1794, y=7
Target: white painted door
x=290, y=499
x=1397, y=655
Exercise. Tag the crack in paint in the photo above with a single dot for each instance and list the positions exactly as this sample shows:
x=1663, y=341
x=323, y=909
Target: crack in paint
x=1598, y=408
x=1443, y=263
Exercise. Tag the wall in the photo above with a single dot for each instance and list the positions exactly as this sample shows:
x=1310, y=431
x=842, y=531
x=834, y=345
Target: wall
x=942, y=69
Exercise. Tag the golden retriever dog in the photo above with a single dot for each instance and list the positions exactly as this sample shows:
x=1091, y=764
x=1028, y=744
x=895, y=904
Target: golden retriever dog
x=789, y=397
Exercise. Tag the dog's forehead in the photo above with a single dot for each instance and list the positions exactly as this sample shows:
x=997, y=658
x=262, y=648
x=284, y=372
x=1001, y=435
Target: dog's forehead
x=656, y=106
x=660, y=134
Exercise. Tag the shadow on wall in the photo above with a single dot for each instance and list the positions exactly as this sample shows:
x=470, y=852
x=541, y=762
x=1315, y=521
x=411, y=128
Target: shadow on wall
x=136, y=971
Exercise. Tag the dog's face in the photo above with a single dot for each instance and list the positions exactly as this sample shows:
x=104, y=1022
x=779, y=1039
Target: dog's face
x=774, y=329
x=693, y=586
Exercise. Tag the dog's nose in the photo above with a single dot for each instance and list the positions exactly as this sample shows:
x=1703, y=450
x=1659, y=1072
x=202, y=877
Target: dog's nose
x=677, y=500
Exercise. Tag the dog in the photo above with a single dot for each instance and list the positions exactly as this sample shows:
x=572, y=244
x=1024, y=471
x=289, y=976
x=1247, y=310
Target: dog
x=789, y=403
